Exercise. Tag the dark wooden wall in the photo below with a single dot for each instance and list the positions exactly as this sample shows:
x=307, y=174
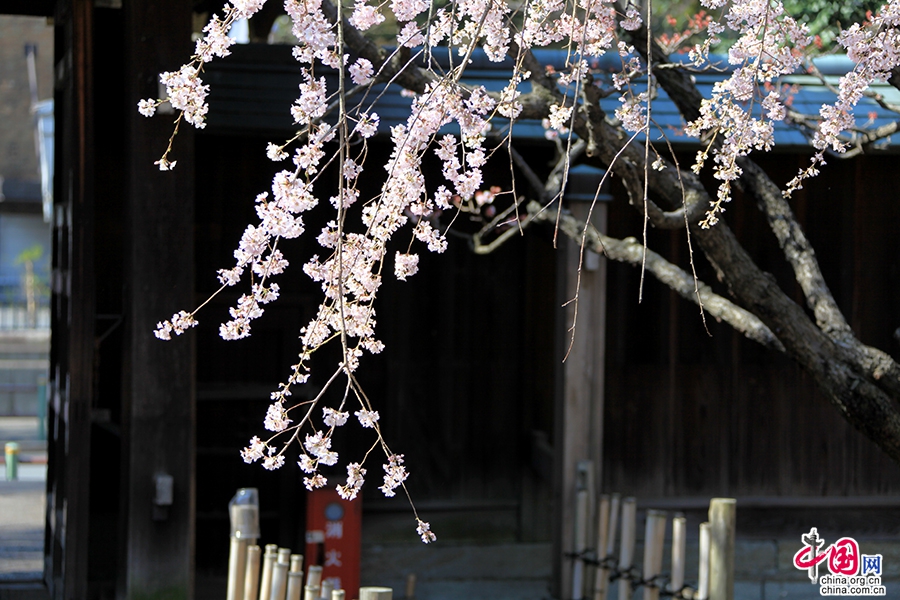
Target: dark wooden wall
x=691, y=414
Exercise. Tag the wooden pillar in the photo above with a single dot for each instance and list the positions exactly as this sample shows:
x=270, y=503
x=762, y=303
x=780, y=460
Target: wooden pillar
x=72, y=308
x=159, y=411
x=578, y=429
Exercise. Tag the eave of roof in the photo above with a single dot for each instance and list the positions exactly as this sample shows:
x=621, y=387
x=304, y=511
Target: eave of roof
x=252, y=90
x=32, y=8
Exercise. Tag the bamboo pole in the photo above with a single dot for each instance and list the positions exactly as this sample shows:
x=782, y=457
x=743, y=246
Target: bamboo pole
x=310, y=592
x=679, y=527
x=654, y=538
x=722, y=512
x=581, y=511
x=703, y=573
x=296, y=563
x=601, y=577
x=237, y=567
x=265, y=584
x=294, y=585
x=251, y=575
x=279, y=581
x=327, y=588
x=614, y=502
x=376, y=593
x=626, y=553
x=338, y=595
x=314, y=579
x=410, y=586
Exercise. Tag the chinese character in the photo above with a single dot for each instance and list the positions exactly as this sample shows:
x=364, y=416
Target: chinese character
x=871, y=564
x=844, y=559
x=333, y=558
x=334, y=529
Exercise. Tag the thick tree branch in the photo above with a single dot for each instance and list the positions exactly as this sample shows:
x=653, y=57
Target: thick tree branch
x=845, y=373
x=799, y=253
x=631, y=251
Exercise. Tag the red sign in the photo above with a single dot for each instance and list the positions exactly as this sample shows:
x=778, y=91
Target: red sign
x=333, y=538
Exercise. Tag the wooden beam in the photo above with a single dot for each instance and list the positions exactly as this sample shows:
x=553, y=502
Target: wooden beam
x=159, y=404
x=33, y=8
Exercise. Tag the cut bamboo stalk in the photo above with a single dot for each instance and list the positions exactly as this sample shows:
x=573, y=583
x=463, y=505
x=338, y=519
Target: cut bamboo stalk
x=284, y=555
x=614, y=502
x=703, y=571
x=294, y=585
x=376, y=593
x=296, y=563
x=314, y=579
x=338, y=595
x=601, y=577
x=581, y=510
x=654, y=538
x=237, y=567
x=279, y=581
x=626, y=553
x=679, y=527
x=327, y=588
x=310, y=593
x=721, y=548
x=251, y=575
x=265, y=583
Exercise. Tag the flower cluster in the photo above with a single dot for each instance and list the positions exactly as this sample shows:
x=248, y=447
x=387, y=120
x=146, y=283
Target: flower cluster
x=178, y=324
x=875, y=48
x=453, y=122
x=394, y=474
x=769, y=45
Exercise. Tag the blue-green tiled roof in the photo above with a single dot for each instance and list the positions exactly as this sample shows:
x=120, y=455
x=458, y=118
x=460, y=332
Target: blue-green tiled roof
x=252, y=90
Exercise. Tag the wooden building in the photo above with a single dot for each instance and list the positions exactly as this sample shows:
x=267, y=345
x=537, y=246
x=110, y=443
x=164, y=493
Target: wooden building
x=471, y=386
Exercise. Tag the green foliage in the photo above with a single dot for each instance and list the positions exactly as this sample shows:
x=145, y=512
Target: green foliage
x=30, y=255
x=826, y=18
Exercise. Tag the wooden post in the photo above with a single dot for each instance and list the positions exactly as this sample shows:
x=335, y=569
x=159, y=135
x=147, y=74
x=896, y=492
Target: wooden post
x=579, y=408
x=722, y=513
x=73, y=371
x=158, y=403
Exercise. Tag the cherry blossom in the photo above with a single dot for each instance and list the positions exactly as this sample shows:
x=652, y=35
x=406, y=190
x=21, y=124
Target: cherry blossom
x=366, y=227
